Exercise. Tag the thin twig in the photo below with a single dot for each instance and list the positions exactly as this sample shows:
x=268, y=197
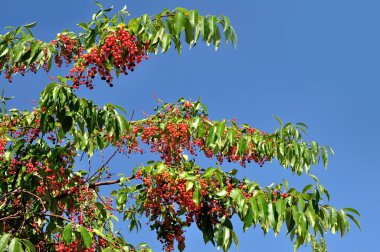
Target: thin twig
x=110, y=182
x=104, y=165
x=13, y=216
x=104, y=203
x=57, y=216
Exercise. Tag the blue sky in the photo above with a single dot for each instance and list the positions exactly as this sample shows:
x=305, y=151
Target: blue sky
x=315, y=62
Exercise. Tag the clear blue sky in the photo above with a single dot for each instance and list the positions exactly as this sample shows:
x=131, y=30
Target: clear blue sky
x=316, y=62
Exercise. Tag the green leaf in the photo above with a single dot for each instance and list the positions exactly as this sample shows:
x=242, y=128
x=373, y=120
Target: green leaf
x=286, y=185
x=248, y=219
x=165, y=42
x=83, y=25
x=233, y=37
x=87, y=240
x=31, y=25
x=189, y=33
x=314, y=177
x=226, y=239
x=279, y=120
x=189, y=185
x=235, y=238
x=179, y=23
x=231, y=136
x=271, y=217
x=307, y=188
x=324, y=157
x=237, y=195
x=203, y=27
x=212, y=21
x=121, y=198
x=15, y=246
x=28, y=245
x=242, y=146
x=208, y=173
x=263, y=207
x=4, y=241
x=211, y=136
x=197, y=196
x=333, y=216
x=352, y=210
x=193, y=17
x=221, y=193
x=217, y=38
x=67, y=123
x=134, y=24
x=220, y=128
x=354, y=220
x=67, y=232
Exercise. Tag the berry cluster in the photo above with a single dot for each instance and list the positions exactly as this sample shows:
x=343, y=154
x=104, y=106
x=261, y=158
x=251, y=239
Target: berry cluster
x=167, y=198
x=169, y=133
x=120, y=51
x=49, y=177
x=170, y=204
x=170, y=142
x=3, y=142
x=67, y=49
x=74, y=246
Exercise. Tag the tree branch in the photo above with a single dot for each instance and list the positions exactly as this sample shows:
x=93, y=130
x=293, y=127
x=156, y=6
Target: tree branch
x=104, y=165
x=110, y=182
x=57, y=216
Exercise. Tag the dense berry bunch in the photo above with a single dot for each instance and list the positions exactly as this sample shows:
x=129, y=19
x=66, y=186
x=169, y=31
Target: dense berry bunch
x=170, y=202
x=170, y=142
x=120, y=52
x=74, y=246
x=169, y=133
x=168, y=199
x=68, y=49
x=170, y=205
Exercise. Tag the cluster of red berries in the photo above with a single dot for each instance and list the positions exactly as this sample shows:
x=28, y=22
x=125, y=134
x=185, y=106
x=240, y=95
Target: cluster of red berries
x=167, y=198
x=169, y=142
x=74, y=246
x=166, y=201
x=171, y=139
x=67, y=49
x=120, y=51
x=3, y=142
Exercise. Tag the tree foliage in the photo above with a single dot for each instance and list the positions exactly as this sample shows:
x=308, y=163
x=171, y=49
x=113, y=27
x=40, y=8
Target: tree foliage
x=48, y=204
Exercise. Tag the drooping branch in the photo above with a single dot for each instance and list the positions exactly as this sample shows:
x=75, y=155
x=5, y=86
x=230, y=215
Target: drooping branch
x=21, y=52
x=210, y=199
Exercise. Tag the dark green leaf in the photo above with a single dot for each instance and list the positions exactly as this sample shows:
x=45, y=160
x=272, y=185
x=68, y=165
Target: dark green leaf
x=87, y=240
x=66, y=235
x=354, y=220
x=179, y=23
x=28, y=245
x=189, y=33
x=197, y=196
x=31, y=25
x=248, y=219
